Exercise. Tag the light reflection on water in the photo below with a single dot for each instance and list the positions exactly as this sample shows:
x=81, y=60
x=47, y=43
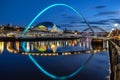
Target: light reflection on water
x=19, y=67
x=60, y=46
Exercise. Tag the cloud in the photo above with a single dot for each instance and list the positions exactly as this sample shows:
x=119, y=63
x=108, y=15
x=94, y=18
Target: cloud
x=107, y=13
x=100, y=7
x=104, y=21
x=104, y=24
x=74, y=22
x=82, y=23
x=66, y=25
x=97, y=22
x=69, y=16
x=115, y=20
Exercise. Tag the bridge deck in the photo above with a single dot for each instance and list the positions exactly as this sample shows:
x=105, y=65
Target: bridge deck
x=35, y=38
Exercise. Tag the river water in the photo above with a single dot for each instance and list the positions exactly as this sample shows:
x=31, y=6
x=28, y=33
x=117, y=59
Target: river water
x=15, y=63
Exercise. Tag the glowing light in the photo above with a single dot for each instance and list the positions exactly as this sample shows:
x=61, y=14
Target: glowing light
x=34, y=61
x=42, y=27
x=113, y=29
x=1, y=47
x=116, y=24
x=75, y=42
x=54, y=48
x=70, y=42
x=42, y=48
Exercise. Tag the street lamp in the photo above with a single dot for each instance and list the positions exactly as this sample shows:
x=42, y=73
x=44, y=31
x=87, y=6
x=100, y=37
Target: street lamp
x=116, y=25
x=113, y=29
x=117, y=31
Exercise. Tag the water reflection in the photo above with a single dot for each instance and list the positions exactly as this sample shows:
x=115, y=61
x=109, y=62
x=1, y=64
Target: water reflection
x=48, y=48
x=56, y=65
x=1, y=47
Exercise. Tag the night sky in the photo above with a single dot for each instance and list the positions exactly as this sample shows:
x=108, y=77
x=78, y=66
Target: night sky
x=102, y=13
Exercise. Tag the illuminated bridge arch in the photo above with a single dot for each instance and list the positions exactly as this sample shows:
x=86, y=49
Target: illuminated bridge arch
x=54, y=5
x=36, y=63
x=95, y=27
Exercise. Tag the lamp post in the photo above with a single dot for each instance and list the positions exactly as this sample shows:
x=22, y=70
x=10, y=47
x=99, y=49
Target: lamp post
x=117, y=31
x=116, y=25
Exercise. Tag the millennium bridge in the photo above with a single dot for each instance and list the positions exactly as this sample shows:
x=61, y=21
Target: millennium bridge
x=112, y=38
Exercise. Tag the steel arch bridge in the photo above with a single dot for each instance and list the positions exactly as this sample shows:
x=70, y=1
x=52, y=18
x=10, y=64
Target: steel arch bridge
x=94, y=27
x=33, y=59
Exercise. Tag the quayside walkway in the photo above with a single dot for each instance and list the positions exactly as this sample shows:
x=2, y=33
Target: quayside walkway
x=114, y=50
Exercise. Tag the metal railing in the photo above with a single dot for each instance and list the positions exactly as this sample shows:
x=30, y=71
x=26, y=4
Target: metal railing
x=114, y=50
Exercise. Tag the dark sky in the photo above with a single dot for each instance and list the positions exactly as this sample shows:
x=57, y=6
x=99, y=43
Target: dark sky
x=103, y=13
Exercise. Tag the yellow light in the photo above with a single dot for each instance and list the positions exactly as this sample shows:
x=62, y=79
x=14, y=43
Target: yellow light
x=54, y=47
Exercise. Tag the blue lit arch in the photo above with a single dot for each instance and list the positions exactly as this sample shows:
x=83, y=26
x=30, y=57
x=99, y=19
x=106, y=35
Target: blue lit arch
x=35, y=62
